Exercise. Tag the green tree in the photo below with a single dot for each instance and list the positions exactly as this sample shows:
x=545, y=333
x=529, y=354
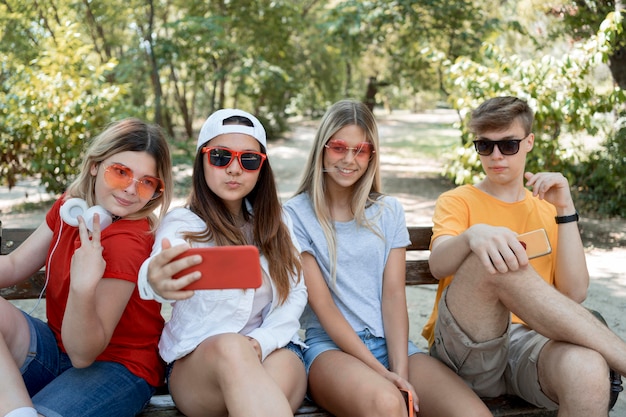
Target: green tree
x=567, y=102
x=581, y=19
x=49, y=109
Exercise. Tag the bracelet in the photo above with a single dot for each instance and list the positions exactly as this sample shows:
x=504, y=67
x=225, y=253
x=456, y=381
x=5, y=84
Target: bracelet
x=566, y=219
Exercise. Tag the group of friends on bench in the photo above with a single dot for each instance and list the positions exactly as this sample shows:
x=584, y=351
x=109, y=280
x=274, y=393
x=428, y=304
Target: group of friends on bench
x=333, y=264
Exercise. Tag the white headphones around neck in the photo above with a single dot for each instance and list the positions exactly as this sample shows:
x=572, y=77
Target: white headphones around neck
x=74, y=207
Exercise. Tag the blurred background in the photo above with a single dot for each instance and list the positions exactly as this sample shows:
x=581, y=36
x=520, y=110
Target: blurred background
x=69, y=67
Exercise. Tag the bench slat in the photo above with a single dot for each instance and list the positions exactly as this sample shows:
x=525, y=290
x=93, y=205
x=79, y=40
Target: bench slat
x=505, y=406
x=420, y=238
x=31, y=288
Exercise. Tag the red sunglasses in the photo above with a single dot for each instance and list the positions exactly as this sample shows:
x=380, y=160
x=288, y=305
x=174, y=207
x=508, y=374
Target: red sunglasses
x=362, y=151
x=121, y=177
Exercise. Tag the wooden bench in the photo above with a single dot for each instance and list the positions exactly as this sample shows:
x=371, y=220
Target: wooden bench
x=417, y=273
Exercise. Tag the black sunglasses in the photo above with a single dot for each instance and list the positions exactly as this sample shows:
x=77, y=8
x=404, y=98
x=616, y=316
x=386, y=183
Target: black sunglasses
x=485, y=147
x=223, y=157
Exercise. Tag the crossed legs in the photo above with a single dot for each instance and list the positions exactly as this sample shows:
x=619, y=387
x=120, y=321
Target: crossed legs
x=224, y=377
x=572, y=367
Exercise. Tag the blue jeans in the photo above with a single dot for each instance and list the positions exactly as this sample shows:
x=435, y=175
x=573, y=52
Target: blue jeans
x=60, y=390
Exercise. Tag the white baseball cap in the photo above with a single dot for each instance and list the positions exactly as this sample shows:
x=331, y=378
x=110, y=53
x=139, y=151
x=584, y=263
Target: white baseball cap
x=214, y=126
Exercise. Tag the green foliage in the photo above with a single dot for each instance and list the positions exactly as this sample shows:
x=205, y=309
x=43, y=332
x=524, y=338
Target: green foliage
x=49, y=109
x=567, y=102
x=560, y=91
x=68, y=67
x=601, y=185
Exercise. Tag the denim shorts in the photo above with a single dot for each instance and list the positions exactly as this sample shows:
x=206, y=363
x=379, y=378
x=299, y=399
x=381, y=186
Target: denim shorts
x=318, y=342
x=60, y=390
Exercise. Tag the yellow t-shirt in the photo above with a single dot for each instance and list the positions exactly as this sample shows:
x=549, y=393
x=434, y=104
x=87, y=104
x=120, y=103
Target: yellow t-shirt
x=456, y=210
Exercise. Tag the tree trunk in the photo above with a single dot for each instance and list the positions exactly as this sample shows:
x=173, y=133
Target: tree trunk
x=617, y=63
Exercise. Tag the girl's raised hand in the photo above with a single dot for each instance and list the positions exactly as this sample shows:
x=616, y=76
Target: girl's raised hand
x=162, y=269
x=87, y=266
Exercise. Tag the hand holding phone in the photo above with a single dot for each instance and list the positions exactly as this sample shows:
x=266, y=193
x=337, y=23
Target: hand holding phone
x=536, y=243
x=408, y=399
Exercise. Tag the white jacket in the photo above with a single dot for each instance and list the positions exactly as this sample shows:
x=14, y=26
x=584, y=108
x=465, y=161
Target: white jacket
x=211, y=312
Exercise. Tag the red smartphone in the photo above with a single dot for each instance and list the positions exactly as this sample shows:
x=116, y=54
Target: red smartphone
x=224, y=267
x=408, y=399
x=536, y=243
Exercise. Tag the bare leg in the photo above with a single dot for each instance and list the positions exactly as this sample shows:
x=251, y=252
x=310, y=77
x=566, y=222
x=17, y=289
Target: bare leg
x=224, y=377
x=287, y=370
x=480, y=302
x=435, y=384
x=14, y=341
x=576, y=378
x=347, y=387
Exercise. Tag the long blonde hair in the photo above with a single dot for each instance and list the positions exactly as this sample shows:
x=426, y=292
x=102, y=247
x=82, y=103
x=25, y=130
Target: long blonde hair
x=132, y=135
x=368, y=188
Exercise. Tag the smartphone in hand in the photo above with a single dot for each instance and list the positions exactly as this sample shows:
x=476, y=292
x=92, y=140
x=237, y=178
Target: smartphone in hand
x=536, y=243
x=224, y=267
x=408, y=399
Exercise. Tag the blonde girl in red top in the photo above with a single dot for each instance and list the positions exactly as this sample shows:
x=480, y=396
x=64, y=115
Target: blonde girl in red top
x=97, y=353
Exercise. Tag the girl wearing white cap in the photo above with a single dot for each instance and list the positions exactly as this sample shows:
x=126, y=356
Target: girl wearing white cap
x=232, y=352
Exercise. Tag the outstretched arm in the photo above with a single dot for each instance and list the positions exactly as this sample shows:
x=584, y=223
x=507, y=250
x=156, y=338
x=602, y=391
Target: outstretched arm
x=156, y=274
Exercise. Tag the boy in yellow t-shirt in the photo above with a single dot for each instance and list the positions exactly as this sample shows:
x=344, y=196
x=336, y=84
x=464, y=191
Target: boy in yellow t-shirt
x=552, y=352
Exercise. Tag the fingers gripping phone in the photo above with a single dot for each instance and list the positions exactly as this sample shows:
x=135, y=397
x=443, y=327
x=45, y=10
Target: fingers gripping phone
x=408, y=399
x=536, y=243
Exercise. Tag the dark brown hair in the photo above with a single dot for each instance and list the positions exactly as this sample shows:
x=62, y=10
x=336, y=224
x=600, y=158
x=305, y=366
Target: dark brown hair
x=498, y=113
x=271, y=235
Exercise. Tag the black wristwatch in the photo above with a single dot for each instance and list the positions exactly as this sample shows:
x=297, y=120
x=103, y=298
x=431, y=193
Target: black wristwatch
x=566, y=219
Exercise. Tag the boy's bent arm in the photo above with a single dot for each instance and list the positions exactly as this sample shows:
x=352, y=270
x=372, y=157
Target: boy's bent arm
x=447, y=254
x=497, y=248
x=571, y=274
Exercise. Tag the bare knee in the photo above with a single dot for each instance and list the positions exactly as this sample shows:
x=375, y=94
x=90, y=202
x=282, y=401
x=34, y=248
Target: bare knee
x=14, y=331
x=579, y=378
x=229, y=351
x=473, y=278
x=388, y=402
x=587, y=367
